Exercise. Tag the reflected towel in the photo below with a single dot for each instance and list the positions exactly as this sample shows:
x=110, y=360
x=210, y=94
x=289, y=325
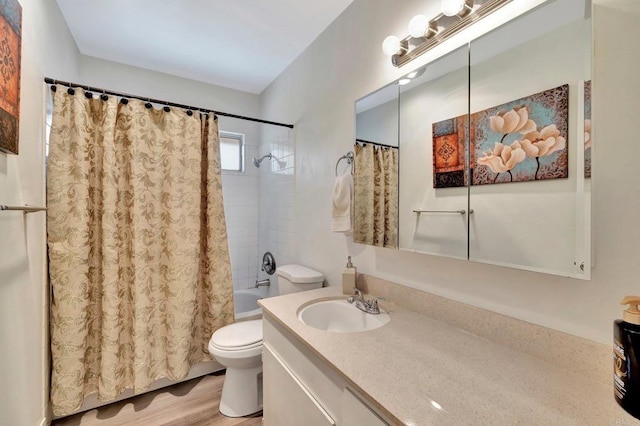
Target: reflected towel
x=342, y=199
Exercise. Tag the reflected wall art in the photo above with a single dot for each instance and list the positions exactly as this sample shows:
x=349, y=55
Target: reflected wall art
x=588, y=138
x=10, y=52
x=522, y=140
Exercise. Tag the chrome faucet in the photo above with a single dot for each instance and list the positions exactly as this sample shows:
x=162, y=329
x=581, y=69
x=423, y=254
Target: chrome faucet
x=369, y=306
x=263, y=283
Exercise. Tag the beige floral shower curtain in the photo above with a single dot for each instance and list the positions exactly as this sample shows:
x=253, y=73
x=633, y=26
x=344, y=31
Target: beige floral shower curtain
x=139, y=261
x=376, y=196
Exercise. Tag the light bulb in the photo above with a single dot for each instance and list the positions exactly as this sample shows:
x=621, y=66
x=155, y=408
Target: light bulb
x=391, y=45
x=404, y=81
x=451, y=7
x=418, y=26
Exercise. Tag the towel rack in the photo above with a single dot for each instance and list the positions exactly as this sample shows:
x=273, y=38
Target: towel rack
x=349, y=157
x=25, y=209
x=443, y=211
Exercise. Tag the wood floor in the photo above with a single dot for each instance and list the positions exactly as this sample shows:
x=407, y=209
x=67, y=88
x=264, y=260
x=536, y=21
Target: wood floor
x=192, y=403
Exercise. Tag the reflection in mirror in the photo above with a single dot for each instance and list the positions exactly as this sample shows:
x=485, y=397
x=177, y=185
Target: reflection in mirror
x=375, y=219
x=434, y=179
x=528, y=109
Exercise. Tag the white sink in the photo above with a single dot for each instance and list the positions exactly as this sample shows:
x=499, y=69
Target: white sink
x=340, y=316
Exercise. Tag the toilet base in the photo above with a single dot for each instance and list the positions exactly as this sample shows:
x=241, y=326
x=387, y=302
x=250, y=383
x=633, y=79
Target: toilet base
x=242, y=392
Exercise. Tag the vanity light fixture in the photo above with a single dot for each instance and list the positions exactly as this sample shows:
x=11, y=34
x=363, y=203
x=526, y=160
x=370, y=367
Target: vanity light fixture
x=425, y=33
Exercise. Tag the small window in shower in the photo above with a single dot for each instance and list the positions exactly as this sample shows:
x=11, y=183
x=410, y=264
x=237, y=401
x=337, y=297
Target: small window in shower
x=232, y=151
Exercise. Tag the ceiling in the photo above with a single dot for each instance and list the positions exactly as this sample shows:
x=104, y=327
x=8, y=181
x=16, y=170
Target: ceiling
x=240, y=44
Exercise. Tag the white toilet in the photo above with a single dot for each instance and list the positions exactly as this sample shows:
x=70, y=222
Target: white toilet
x=238, y=347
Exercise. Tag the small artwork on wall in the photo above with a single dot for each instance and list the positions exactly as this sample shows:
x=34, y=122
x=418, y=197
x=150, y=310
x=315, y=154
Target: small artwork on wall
x=588, y=137
x=522, y=140
x=449, y=152
x=10, y=53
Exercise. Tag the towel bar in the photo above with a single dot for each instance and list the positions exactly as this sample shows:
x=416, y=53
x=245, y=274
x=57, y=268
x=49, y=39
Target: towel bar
x=25, y=209
x=443, y=211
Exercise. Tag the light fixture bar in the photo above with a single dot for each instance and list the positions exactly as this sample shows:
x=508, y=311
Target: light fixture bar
x=456, y=24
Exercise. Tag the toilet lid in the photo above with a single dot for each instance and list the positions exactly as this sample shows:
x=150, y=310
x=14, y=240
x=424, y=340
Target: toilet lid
x=239, y=334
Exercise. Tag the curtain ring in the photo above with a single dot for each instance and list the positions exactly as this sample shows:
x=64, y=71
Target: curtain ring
x=148, y=104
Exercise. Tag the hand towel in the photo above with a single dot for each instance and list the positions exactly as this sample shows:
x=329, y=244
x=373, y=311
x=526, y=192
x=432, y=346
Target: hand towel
x=342, y=199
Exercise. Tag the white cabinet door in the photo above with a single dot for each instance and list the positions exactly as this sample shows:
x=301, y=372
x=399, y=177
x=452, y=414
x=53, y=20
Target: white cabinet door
x=287, y=402
x=356, y=413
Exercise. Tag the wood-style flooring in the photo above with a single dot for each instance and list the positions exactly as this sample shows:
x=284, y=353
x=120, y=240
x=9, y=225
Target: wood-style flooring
x=191, y=403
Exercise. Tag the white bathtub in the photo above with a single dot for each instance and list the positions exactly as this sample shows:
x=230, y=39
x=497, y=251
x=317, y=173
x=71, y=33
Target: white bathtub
x=245, y=303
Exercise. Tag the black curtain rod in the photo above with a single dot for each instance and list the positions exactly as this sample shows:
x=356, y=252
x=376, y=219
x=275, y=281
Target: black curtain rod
x=157, y=101
x=376, y=143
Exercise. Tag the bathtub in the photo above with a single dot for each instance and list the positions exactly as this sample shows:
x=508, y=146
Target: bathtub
x=245, y=303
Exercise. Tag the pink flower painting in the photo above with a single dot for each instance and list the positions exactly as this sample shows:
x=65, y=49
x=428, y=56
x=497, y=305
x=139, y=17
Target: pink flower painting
x=519, y=141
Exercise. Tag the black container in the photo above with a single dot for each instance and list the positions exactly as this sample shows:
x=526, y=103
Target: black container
x=626, y=365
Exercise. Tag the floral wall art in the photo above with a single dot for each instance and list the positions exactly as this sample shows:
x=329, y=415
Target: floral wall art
x=10, y=51
x=519, y=141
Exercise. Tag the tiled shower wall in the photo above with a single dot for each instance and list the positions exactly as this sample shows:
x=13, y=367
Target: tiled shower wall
x=259, y=204
x=240, y=191
x=277, y=197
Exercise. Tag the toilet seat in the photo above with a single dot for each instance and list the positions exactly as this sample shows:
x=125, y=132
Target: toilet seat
x=238, y=336
x=239, y=348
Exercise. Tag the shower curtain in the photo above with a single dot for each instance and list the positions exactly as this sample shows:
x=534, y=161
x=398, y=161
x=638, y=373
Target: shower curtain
x=375, y=219
x=138, y=254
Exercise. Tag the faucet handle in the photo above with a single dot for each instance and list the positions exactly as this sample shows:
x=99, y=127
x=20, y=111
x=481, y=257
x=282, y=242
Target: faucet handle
x=373, y=303
x=356, y=296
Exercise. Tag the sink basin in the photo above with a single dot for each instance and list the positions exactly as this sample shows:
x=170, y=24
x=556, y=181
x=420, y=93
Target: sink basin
x=340, y=316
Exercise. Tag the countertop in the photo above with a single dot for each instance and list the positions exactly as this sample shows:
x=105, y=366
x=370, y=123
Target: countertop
x=419, y=371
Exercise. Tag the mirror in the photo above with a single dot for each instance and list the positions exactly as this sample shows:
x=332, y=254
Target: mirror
x=494, y=145
x=530, y=204
x=434, y=194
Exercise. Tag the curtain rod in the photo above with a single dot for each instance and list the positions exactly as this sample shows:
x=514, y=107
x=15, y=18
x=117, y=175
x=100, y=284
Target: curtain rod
x=376, y=143
x=157, y=101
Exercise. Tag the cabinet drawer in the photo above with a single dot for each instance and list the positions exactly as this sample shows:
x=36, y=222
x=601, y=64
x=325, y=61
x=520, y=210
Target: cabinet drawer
x=356, y=412
x=287, y=402
x=320, y=379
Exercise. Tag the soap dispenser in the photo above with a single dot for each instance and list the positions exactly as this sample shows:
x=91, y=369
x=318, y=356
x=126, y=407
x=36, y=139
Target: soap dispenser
x=349, y=278
x=626, y=357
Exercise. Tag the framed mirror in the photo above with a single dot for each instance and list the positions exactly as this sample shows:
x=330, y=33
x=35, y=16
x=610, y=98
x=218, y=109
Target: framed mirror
x=494, y=145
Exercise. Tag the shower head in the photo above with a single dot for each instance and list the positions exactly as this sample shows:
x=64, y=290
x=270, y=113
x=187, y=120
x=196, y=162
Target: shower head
x=256, y=161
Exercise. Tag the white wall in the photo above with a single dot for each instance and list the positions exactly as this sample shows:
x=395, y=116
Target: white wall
x=47, y=48
x=380, y=123
x=317, y=92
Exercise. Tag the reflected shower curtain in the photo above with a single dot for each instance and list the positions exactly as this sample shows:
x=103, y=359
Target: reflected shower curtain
x=139, y=262
x=376, y=196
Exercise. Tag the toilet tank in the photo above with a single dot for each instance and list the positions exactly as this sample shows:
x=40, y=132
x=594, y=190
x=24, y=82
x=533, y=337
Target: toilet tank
x=294, y=278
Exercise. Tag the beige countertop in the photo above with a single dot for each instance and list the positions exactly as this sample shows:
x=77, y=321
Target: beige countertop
x=420, y=371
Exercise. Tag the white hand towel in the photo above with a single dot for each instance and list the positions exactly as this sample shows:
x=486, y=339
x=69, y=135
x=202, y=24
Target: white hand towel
x=342, y=199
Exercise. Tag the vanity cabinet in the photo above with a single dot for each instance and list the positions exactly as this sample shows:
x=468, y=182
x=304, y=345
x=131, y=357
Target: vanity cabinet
x=300, y=388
